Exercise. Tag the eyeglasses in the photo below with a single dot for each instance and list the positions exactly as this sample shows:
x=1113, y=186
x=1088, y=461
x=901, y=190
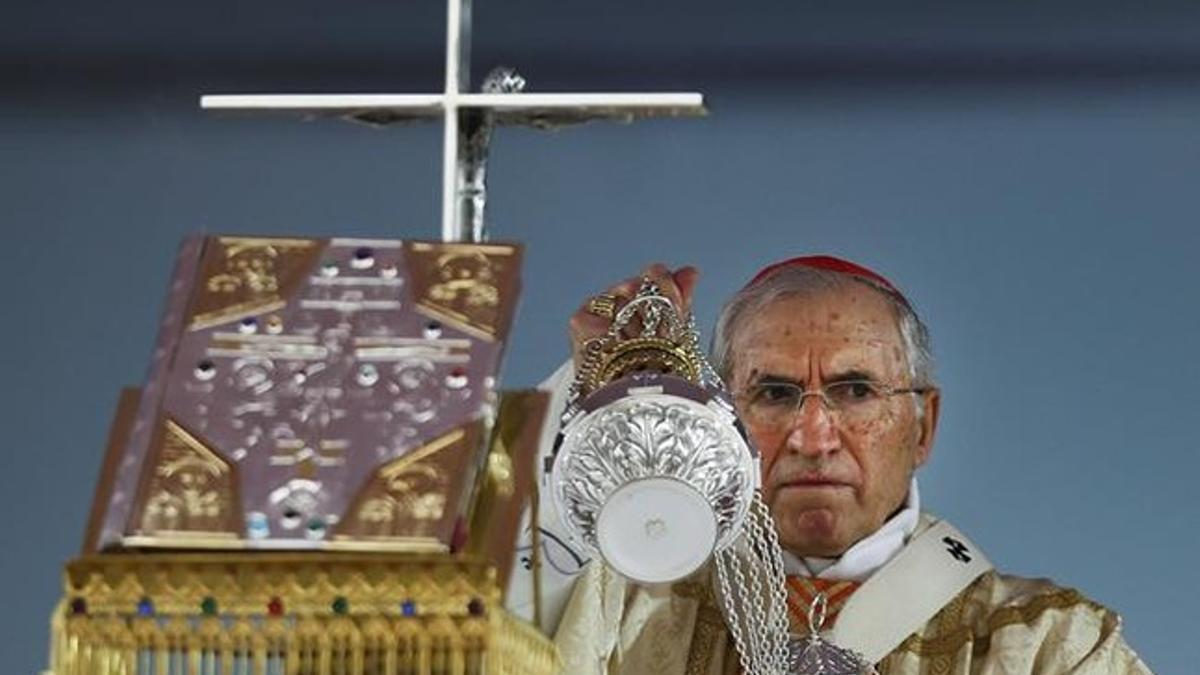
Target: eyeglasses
x=775, y=404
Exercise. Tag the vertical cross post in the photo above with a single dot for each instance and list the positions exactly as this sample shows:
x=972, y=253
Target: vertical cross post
x=456, y=128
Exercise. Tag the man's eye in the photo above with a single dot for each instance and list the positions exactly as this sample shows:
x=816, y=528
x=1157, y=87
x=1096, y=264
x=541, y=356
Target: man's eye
x=775, y=394
x=852, y=392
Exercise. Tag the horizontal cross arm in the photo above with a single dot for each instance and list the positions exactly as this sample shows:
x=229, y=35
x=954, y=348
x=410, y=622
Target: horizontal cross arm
x=367, y=107
x=539, y=109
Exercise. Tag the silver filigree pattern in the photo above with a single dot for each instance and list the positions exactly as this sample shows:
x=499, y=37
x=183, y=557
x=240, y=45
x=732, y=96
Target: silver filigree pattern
x=653, y=435
x=653, y=310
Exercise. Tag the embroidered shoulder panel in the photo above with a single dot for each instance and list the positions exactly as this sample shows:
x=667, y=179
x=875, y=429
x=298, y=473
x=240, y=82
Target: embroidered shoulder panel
x=972, y=617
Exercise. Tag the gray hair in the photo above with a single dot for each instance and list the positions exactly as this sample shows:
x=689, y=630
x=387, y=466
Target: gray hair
x=807, y=282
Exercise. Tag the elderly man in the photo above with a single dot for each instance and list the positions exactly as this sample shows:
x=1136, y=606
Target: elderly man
x=832, y=374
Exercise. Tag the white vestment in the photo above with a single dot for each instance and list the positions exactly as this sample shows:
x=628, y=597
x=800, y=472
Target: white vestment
x=995, y=625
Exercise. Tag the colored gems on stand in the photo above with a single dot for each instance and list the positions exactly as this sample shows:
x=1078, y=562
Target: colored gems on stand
x=145, y=607
x=340, y=605
x=208, y=606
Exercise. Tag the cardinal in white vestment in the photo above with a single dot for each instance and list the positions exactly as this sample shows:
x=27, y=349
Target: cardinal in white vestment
x=832, y=374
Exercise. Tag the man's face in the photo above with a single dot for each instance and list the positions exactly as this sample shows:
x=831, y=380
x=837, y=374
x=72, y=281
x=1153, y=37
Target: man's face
x=829, y=480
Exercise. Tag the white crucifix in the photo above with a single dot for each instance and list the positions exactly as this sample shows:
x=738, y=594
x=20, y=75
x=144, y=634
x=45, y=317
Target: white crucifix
x=468, y=117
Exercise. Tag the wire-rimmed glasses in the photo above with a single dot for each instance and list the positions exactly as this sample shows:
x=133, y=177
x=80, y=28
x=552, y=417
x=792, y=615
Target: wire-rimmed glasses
x=775, y=404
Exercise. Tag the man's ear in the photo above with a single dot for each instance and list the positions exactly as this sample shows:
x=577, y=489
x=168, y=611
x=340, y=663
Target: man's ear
x=927, y=424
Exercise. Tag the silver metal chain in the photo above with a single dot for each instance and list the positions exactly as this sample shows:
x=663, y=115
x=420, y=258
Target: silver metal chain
x=756, y=608
x=708, y=376
x=725, y=560
x=778, y=624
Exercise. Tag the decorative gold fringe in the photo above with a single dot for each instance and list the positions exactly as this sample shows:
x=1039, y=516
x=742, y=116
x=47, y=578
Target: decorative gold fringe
x=335, y=614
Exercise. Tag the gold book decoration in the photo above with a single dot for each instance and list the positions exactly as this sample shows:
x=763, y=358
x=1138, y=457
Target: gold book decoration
x=319, y=476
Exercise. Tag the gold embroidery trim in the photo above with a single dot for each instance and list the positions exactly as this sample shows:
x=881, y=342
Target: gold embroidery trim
x=709, y=626
x=953, y=641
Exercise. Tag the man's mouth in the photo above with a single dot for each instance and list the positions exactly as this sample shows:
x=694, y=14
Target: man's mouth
x=813, y=482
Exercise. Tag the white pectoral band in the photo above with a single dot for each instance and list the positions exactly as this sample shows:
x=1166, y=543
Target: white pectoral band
x=905, y=593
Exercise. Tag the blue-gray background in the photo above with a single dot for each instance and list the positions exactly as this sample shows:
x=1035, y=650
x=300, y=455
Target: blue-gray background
x=1025, y=171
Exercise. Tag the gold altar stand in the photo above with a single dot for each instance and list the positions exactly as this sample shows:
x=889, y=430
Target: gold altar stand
x=326, y=613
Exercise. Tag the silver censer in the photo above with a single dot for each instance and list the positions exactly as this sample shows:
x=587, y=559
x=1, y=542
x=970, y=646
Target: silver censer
x=653, y=472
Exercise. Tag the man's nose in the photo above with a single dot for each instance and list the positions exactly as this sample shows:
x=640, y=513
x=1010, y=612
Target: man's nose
x=814, y=429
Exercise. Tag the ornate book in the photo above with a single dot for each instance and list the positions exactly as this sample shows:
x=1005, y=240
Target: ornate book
x=312, y=394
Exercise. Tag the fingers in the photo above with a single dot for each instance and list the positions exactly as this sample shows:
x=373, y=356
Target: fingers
x=585, y=325
x=685, y=280
x=678, y=286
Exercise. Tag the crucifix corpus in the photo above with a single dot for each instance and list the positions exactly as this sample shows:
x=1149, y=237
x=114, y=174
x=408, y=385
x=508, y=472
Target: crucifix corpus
x=468, y=117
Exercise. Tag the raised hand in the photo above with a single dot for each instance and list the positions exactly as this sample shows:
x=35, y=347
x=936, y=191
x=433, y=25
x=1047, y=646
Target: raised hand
x=595, y=315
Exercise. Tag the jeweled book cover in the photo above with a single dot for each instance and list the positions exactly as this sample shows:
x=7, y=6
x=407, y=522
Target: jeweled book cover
x=312, y=394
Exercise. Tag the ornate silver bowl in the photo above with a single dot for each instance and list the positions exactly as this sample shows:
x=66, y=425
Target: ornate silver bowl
x=652, y=471
x=654, y=474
